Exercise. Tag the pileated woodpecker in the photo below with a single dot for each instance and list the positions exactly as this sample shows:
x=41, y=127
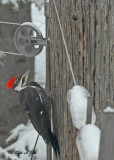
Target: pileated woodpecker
x=34, y=99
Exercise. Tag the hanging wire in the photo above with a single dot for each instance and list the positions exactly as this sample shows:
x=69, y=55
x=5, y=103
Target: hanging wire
x=64, y=41
x=17, y=54
x=11, y=23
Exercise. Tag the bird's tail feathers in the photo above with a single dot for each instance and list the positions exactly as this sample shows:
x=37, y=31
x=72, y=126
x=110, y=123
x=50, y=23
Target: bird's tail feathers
x=54, y=142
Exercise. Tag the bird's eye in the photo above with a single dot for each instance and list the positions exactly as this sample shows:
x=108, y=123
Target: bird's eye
x=17, y=80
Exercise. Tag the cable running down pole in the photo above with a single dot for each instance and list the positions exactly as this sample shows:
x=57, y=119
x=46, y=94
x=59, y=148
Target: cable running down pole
x=64, y=41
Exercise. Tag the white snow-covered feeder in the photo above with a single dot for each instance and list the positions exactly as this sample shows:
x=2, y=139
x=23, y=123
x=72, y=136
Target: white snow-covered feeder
x=29, y=40
x=87, y=141
x=77, y=99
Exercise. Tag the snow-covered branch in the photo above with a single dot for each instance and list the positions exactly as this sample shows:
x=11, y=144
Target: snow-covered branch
x=15, y=3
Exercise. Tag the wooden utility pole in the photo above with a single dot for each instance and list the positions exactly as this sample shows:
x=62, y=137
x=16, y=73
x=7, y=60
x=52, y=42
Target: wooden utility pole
x=88, y=27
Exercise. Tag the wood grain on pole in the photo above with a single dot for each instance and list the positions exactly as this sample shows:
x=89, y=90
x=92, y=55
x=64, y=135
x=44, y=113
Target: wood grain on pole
x=90, y=44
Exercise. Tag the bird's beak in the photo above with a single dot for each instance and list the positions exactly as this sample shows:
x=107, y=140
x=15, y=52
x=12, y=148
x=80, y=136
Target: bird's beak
x=25, y=75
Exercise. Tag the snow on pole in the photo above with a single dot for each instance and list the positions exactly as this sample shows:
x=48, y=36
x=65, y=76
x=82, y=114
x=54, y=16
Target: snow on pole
x=77, y=99
x=87, y=142
x=108, y=109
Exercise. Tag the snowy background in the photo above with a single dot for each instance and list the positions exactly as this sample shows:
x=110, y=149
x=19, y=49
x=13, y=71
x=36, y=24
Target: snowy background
x=40, y=65
x=38, y=3
x=23, y=137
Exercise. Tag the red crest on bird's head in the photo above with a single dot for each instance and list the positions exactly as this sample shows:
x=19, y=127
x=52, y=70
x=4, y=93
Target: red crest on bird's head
x=11, y=82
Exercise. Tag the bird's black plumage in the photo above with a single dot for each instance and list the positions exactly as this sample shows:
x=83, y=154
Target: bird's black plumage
x=36, y=102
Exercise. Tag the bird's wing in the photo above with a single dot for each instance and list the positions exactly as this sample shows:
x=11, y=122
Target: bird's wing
x=38, y=113
x=44, y=97
x=45, y=100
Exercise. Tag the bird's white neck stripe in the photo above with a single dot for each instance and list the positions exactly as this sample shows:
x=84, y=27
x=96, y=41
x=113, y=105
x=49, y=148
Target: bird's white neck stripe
x=19, y=88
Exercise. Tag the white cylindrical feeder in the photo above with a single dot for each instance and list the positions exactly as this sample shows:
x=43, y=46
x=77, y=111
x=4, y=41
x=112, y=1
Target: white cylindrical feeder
x=77, y=99
x=87, y=142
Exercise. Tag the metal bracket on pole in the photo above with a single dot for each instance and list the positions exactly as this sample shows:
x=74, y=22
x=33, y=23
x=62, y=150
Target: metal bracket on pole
x=42, y=42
